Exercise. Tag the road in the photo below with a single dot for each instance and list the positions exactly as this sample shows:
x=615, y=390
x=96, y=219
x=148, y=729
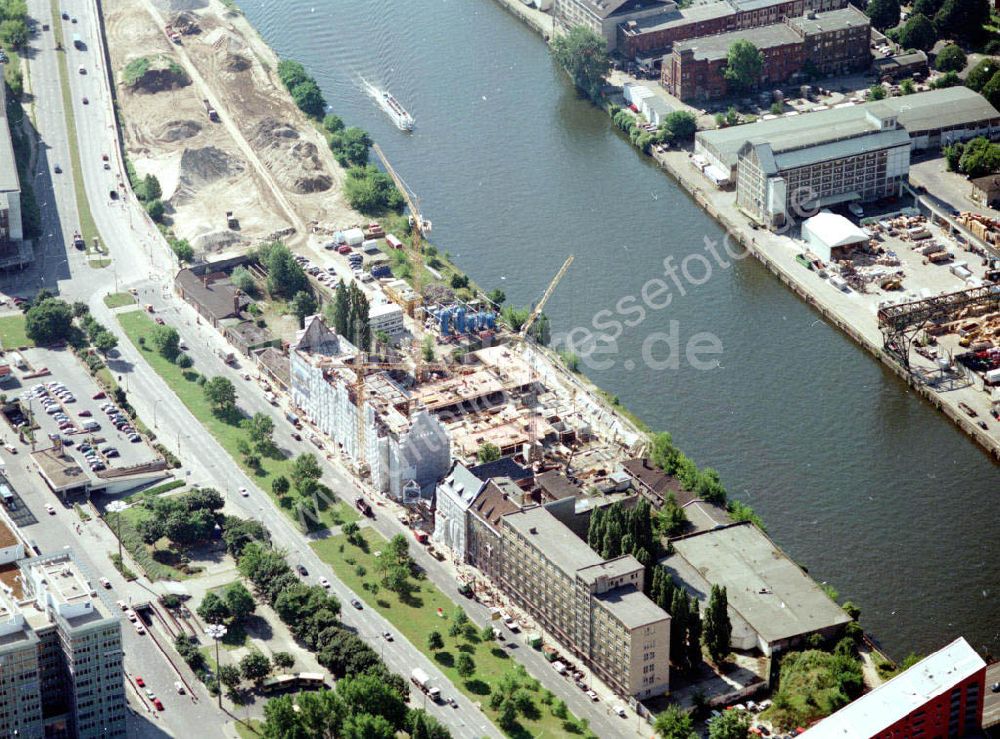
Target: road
x=141, y=259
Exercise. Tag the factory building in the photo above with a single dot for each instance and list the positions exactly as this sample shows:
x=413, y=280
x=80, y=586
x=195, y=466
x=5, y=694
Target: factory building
x=594, y=607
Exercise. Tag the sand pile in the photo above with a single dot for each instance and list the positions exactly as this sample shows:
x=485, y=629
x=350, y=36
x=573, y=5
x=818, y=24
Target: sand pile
x=178, y=130
x=293, y=160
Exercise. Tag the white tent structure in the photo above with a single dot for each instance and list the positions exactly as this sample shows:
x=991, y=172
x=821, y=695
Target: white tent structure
x=830, y=235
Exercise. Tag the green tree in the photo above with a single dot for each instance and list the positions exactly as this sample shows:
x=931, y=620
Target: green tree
x=488, y=452
x=731, y=724
x=260, y=429
x=744, y=64
x=906, y=87
x=497, y=296
x=427, y=348
x=105, y=341
x=671, y=518
x=718, y=630
x=220, y=394
x=309, y=99
x=584, y=55
x=182, y=250
x=166, y=341
x=927, y=7
x=255, y=666
x=243, y=281
x=434, y=641
x=239, y=602
x=48, y=321
x=156, y=210
x=950, y=59
x=283, y=660
x=213, y=609
x=917, y=33
x=305, y=474
x=291, y=73
x=692, y=652
x=674, y=723
x=876, y=92
x=371, y=191
x=366, y=726
x=948, y=79
x=229, y=675
x=884, y=14
x=285, y=277
x=332, y=123
x=963, y=19
x=13, y=33
x=151, y=187
x=350, y=146
x=682, y=124
x=982, y=73
x=991, y=90
x=465, y=666
x=280, y=486
x=304, y=305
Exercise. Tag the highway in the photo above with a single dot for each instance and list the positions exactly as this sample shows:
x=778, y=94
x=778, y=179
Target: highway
x=142, y=260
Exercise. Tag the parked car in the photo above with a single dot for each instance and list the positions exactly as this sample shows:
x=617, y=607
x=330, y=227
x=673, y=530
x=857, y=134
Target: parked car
x=158, y=703
x=356, y=603
x=140, y=682
x=324, y=582
x=106, y=583
x=302, y=570
x=50, y=509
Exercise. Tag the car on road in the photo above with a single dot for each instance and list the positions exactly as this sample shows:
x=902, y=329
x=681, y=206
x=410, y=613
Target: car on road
x=592, y=695
x=179, y=687
x=356, y=603
x=452, y=702
x=84, y=413
x=244, y=492
x=105, y=582
x=302, y=570
x=86, y=100
x=131, y=616
x=134, y=438
x=140, y=629
x=297, y=436
x=324, y=582
x=99, y=395
x=50, y=509
x=158, y=320
x=122, y=604
x=387, y=635
x=81, y=69
x=620, y=710
x=158, y=703
x=140, y=682
x=65, y=16
x=57, y=169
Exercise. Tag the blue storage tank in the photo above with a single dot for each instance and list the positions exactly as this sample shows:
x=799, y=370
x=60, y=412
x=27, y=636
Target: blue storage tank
x=491, y=320
x=460, y=319
x=444, y=319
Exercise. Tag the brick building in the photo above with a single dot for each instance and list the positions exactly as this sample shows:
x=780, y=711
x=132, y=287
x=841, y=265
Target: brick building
x=604, y=16
x=830, y=43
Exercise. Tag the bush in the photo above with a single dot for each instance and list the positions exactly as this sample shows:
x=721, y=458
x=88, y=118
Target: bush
x=183, y=361
x=950, y=59
x=371, y=191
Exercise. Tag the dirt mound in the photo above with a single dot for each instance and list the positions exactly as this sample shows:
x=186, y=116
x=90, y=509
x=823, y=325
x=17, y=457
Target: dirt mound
x=186, y=23
x=178, y=130
x=215, y=241
x=235, y=63
x=159, y=80
x=295, y=161
x=203, y=166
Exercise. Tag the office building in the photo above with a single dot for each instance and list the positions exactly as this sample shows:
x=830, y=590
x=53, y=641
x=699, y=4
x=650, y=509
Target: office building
x=604, y=16
x=942, y=695
x=594, y=607
x=387, y=318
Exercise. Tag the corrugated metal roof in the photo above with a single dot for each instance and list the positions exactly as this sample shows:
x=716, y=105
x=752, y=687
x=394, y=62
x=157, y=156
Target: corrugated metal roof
x=841, y=149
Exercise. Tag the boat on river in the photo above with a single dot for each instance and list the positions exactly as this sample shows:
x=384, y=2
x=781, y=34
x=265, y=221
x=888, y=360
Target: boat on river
x=392, y=107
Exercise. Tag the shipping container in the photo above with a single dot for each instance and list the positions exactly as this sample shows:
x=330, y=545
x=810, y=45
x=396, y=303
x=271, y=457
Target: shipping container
x=393, y=241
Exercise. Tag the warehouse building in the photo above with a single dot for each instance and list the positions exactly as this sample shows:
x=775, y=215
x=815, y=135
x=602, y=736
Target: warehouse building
x=773, y=604
x=831, y=236
x=941, y=695
x=604, y=16
x=594, y=607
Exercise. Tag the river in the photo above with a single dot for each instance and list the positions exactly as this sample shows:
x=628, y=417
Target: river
x=857, y=479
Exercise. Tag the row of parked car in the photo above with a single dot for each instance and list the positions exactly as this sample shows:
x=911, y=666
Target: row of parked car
x=121, y=422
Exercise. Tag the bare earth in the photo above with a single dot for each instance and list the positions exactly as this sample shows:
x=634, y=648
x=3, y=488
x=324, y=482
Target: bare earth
x=264, y=160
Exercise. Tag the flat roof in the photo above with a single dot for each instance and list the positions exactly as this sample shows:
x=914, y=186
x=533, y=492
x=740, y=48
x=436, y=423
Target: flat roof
x=903, y=694
x=716, y=47
x=7, y=536
x=617, y=567
x=764, y=586
x=59, y=470
x=831, y=20
x=855, y=146
x=383, y=309
x=673, y=18
x=949, y=107
x=553, y=538
x=608, y=8
x=8, y=165
x=631, y=607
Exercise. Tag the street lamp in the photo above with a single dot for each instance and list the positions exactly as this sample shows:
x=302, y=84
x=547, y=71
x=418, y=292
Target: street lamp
x=217, y=632
x=117, y=506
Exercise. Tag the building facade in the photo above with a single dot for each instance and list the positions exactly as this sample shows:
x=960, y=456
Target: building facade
x=387, y=318
x=10, y=187
x=603, y=16
x=834, y=42
x=500, y=497
x=595, y=608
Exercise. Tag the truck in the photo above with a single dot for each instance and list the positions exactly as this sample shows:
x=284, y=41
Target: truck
x=227, y=357
x=421, y=679
x=293, y=419
x=362, y=505
x=213, y=115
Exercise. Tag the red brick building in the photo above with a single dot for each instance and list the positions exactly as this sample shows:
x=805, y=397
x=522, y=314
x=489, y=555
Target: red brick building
x=942, y=695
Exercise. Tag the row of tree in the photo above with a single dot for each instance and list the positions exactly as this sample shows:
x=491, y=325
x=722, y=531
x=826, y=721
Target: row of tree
x=184, y=520
x=963, y=20
x=615, y=530
x=348, y=314
x=689, y=628
x=303, y=88
x=976, y=158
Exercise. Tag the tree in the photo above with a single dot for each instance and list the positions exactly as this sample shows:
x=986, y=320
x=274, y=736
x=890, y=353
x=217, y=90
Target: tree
x=948, y=79
x=465, y=666
x=220, y=394
x=488, y=452
x=243, y=281
x=183, y=361
x=229, y=675
x=692, y=657
x=427, y=348
x=166, y=341
x=927, y=7
x=732, y=724
x=434, y=641
x=674, y=723
x=48, y=321
x=285, y=276
x=876, y=92
x=260, y=428
x=718, y=630
x=350, y=146
x=13, y=33
x=304, y=474
x=308, y=98
x=497, y=296
x=370, y=693
x=156, y=210
x=151, y=187
x=238, y=532
x=991, y=90
x=884, y=14
x=671, y=518
x=950, y=59
x=291, y=73
x=979, y=156
x=255, y=666
x=332, y=123
x=744, y=64
x=371, y=191
x=213, y=609
x=584, y=55
x=982, y=73
x=963, y=19
x=906, y=87
x=366, y=726
x=239, y=602
x=283, y=660
x=304, y=305
x=105, y=341
x=917, y=33
x=280, y=486
x=182, y=249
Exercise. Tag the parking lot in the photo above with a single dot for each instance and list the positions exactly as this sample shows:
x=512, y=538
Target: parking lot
x=69, y=405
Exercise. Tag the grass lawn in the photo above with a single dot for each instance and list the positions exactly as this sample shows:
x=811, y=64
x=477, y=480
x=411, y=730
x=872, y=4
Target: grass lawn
x=12, y=334
x=417, y=617
x=183, y=382
x=118, y=300
x=248, y=732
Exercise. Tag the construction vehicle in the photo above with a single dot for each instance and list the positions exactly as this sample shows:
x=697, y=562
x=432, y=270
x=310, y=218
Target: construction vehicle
x=423, y=681
x=231, y=221
x=213, y=114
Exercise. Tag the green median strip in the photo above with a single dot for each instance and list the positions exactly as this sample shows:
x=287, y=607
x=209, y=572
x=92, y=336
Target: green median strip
x=88, y=229
x=416, y=615
x=184, y=382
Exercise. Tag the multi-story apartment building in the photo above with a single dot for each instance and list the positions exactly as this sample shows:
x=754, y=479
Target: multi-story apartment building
x=455, y=494
x=60, y=653
x=650, y=37
x=594, y=607
x=406, y=453
x=786, y=179
x=387, y=318
x=820, y=43
x=603, y=16
x=500, y=496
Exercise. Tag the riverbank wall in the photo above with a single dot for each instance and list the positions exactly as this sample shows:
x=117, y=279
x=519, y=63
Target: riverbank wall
x=535, y=19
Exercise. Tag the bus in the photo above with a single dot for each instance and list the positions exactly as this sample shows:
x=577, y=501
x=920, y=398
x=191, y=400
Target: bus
x=7, y=497
x=294, y=681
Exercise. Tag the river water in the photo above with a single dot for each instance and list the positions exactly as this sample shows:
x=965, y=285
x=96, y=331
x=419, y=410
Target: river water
x=857, y=479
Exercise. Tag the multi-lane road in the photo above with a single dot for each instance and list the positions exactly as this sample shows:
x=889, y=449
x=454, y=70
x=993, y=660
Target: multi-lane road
x=142, y=260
